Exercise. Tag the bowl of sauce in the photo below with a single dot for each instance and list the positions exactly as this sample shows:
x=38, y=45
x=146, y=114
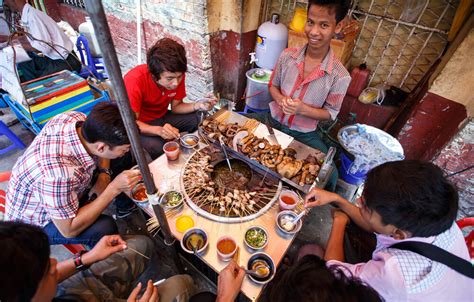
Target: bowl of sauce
x=172, y=200
x=189, y=141
x=171, y=150
x=226, y=248
x=139, y=194
x=195, y=241
x=288, y=200
x=261, y=259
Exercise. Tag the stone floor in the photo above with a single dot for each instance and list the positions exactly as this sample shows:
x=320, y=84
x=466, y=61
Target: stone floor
x=315, y=229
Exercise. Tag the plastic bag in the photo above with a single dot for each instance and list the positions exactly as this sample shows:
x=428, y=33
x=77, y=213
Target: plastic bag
x=373, y=95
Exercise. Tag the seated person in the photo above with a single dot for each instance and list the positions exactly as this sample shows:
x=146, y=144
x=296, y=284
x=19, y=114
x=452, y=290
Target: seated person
x=308, y=84
x=44, y=36
x=49, y=182
x=152, y=87
x=309, y=280
x=105, y=273
x=402, y=201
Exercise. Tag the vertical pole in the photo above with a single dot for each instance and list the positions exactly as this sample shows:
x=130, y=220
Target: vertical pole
x=96, y=12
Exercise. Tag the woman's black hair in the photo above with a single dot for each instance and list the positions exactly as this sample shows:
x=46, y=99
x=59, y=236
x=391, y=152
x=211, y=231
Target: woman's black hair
x=309, y=280
x=24, y=260
x=413, y=196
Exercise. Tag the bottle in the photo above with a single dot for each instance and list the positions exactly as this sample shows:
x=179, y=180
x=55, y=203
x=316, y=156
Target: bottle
x=360, y=77
x=87, y=29
x=272, y=39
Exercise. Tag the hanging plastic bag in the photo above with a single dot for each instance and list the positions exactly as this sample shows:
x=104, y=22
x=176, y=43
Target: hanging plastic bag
x=373, y=95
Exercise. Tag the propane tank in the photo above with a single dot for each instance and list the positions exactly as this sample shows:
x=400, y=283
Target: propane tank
x=87, y=29
x=272, y=39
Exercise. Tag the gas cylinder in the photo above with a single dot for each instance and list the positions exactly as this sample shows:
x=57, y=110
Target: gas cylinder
x=87, y=29
x=272, y=39
x=360, y=77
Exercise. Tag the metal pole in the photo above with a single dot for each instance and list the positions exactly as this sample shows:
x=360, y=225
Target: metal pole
x=101, y=27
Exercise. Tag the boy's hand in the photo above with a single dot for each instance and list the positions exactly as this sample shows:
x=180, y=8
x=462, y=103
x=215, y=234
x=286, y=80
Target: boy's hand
x=168, y=132
x=318, y=197
x=292, y=106
x=106, y=246
x=340, y=217
x=125, y=181
x=229, y=282
x=150, y=294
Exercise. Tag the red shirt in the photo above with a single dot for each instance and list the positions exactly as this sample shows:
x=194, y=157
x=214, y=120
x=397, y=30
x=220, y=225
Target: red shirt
x=146, y=98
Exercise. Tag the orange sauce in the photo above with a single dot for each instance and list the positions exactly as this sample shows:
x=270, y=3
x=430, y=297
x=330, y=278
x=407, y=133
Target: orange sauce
x=226, y=246
x=288, y=200
x=171, y=148
x=140, y=194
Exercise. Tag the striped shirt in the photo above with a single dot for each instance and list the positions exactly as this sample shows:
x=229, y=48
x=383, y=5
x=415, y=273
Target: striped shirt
x=49, y=177
x=325, y=87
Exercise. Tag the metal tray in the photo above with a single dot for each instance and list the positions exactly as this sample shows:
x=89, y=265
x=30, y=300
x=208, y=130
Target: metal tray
x=302, y=150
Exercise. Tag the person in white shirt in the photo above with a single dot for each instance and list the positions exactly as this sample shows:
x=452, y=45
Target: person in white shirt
x=45, y=37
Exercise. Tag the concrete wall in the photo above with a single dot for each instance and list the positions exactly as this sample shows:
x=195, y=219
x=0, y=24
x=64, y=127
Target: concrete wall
x=456, y=80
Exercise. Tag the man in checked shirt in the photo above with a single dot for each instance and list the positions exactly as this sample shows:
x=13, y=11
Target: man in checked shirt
x=308, y=84
x=52, y=183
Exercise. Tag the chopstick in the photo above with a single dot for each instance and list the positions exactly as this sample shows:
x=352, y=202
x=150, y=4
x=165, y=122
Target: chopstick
x=134, y=250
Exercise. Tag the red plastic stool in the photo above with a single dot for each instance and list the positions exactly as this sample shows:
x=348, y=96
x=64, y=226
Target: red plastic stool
x=464, y=223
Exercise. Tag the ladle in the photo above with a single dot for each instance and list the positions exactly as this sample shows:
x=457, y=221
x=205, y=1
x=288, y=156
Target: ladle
x=261, y=271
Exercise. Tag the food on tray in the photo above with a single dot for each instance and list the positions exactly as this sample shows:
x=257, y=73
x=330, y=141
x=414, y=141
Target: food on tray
x=283, y=161
x=256, y=237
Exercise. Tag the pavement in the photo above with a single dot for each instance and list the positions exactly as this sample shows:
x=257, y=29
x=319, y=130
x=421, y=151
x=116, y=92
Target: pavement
x=316, y=227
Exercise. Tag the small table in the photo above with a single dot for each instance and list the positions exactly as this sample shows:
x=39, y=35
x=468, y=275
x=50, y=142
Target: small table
x=166, y=175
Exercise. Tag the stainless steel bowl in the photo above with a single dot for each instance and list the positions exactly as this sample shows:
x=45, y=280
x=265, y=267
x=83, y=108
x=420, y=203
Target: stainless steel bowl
x=268, y=260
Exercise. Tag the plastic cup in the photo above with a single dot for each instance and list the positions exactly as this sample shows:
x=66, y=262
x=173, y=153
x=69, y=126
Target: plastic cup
x=171, y=150
x=288, y=200
x=225, y=242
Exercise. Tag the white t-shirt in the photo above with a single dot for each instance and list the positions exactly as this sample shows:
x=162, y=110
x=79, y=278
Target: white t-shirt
x=42, y=27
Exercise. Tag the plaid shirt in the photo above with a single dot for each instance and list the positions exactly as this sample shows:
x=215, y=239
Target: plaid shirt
x=49, y=177
x=325, y=87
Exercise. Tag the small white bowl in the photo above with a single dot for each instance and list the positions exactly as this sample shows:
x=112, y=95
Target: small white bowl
x=287, y=214
x=222, y=256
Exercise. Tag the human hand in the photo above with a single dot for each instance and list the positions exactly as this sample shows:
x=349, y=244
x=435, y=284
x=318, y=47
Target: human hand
x=292, y=106
x=318, y=197
x=150, y=294
x=229, y=282
x=340, y=217
x=125, y=181
x=106, y=246
x=168, y=132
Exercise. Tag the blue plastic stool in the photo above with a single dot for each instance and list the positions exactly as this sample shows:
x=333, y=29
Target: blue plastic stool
x=248, y=109
x=16, y=142
x=94, y=64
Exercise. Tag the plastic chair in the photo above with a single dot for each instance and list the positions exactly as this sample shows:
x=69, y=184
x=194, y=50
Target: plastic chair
x=94, y=64
x=5, y=176
x=16, y=142
x=465, y=223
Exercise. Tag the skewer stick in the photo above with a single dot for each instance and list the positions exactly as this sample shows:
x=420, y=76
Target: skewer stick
x=134, y=250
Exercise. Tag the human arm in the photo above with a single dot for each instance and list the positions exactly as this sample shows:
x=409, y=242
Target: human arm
x=319, y=197
x=335, y=246
x=229, y=282
x=103, y=179
x=71, y=221
x=106, y=246
x=166, y=131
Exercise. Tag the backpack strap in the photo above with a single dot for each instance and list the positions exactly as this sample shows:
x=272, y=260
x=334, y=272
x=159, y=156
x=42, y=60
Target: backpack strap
x=437, y=254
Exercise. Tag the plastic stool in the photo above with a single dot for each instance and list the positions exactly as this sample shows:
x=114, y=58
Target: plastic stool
x=248, y=109
x=94, y=64
x=16, y=142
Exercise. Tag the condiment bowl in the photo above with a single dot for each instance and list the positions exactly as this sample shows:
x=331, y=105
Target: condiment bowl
x=226, y=255
x=138, y=194
x=261, y=258
x=168, y=200
x=285, y=216
x=252, y=235
x=195, y=236
x=189, y=140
